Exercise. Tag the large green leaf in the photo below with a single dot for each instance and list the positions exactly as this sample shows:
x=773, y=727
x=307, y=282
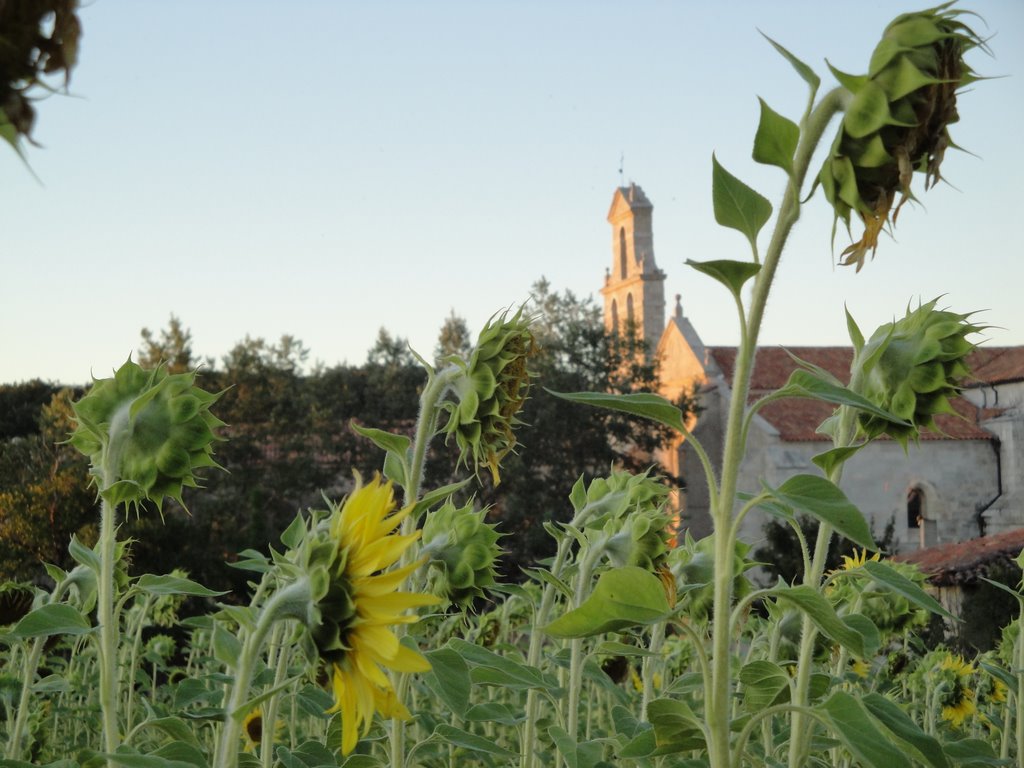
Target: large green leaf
x=813, y=603
x=972, y=753
x=823, y=499
x=763, y=681
x=490, y=668
x=731, y=274
x=776, y=139
x=646, y=404
x=736, y=205
x=802, y=69
x=471, y=741
x=173, y=585
x=623, y=597
x=903, y=727
x=449, y=679
x=576, y=755
x=889, y=577
x=676, y=727
x=52, y=619
x=807, y=384
x=861, y=734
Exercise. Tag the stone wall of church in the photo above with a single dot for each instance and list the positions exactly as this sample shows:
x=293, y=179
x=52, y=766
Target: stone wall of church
x=953, y=478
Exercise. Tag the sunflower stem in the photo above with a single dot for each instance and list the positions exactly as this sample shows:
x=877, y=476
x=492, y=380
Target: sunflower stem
x=734, y=448
x=528, y=755
x=279, y=606
x=105, y=593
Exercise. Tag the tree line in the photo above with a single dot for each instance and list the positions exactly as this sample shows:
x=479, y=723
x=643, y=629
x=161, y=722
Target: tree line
x=289, y=442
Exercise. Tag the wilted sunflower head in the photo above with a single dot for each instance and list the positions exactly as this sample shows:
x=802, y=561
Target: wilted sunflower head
x=911, y=368
x=146, y=433
x=495, y=383
x=898, y=120
x=463, y=550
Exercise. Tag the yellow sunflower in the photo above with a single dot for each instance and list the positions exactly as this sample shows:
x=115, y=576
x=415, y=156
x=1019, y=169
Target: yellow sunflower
x=362, y=603
x=856, y=560
x=957, y=698
x=252, y=730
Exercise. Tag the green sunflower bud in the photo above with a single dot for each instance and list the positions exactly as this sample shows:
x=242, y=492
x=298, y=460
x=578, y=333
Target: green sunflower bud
x=462, y=550
x=642, y=542
x=608, y=501
x=911, y=368
x=897, y=122
x=494, y=385
x=146, y=433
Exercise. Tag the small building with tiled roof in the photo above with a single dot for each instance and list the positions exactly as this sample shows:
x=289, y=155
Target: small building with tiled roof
x=960, y=482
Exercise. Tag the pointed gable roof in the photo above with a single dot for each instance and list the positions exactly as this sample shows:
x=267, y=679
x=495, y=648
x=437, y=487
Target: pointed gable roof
x=631, y=198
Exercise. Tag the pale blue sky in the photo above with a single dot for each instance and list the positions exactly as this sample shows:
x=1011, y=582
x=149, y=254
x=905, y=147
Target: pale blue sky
x=323, y=169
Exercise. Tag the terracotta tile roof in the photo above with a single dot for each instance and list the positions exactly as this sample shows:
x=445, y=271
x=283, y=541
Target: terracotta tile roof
x=997, y=365
x=964, y=562
x=797, y=418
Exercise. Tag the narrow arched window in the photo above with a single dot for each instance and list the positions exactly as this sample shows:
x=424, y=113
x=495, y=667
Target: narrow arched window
x=622, y=252
x=629, y=310
x=915, y=508
x=615, y=316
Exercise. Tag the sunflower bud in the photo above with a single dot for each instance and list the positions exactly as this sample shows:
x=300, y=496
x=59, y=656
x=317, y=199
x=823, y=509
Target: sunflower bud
x=643, y=539
x=607, y=501
x=462, y=550
x=494, y=385
x=146, y=432
x=911, y=368
x=897, y=122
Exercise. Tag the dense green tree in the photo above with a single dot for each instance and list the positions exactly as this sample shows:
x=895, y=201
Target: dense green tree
x=454, y=338
x=289, y=440
x=19, y=407
x=173, y=348
x=45, y=495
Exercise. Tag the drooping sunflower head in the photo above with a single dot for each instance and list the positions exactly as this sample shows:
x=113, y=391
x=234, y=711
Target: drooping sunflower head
x=956, y=697
x=898, y=120
x=494, y=385
x=911, y=368
x=146, y=433
x=359, y=604
x=463, y=550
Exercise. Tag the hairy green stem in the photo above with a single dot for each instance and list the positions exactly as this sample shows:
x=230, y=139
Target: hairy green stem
x=108, y=631
x=279, y=606
x=283, y=651
x=734, y=448
x=528, y=754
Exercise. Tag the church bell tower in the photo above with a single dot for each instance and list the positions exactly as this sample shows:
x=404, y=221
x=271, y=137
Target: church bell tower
x=634, y=287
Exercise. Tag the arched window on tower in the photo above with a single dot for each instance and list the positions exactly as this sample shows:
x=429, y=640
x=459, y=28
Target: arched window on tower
x=622, y=253
x=630, y=321
x=615, y=316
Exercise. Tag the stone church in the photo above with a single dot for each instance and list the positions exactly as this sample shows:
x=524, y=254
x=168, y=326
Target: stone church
x=961, y=483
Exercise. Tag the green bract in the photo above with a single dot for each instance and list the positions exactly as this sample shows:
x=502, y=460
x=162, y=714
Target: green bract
x=146, y=433
x=462, y=551
x=897, y=122
x=911, y=368
x=494, y=385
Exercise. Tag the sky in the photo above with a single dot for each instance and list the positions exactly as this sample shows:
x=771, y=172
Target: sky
x=325, y=169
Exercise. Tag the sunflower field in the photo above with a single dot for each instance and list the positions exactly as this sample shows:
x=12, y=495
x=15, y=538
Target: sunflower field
x=376, y=631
